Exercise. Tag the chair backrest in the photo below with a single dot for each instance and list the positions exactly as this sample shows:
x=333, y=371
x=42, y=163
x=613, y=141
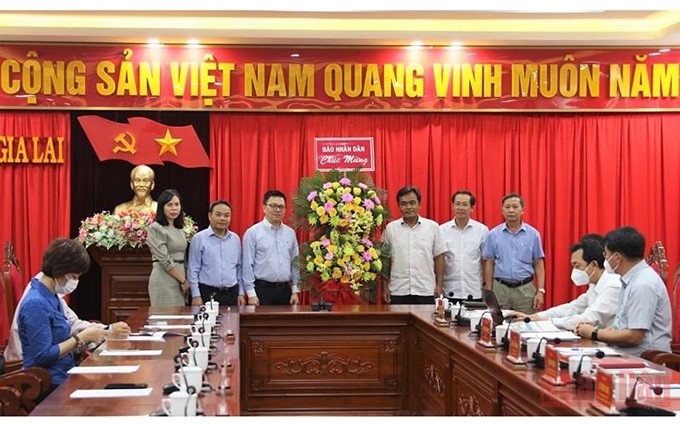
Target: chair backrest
x=34, y=383
x=670, y=360
x=650, y=354
x=10, y=401
x=657, y=259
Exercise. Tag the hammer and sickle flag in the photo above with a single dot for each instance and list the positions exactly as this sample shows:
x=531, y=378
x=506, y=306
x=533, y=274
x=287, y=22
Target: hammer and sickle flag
x=144, y=141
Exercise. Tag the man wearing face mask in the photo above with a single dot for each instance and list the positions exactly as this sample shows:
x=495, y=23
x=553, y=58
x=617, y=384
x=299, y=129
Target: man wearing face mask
x=599, y=304
x=643, y=320
x=13, y=351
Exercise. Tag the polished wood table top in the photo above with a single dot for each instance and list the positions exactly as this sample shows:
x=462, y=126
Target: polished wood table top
x=155, y=371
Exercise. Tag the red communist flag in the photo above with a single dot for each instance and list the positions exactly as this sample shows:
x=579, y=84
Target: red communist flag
x=144, y=141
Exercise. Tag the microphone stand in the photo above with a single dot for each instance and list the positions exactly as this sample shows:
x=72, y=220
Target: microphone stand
x=537, y=358
x=635, y=408
x=581, y=381
x=478, y=326
x=460, y=320
x=505, y=341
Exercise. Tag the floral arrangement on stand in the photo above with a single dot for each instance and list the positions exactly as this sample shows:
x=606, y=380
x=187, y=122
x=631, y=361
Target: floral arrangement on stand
x=342, y=263
x=122, y=230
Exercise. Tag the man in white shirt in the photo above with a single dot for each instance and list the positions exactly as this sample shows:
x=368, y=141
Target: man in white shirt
x=599, y=304
x=416, y=254
x=13, y=351
x=464, y=239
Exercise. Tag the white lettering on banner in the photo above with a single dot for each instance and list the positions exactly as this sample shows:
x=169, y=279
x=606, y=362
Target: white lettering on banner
x=329, y=159
x=352, y=159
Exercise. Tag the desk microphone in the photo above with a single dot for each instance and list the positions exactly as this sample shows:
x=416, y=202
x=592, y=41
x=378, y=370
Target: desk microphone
x=505, y=341
x=536, y=356
x=579, y=379
x=462, y=321
x=632, y=401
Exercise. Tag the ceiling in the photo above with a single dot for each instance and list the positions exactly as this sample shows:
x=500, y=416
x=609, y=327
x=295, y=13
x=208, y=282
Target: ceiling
x=382, y=28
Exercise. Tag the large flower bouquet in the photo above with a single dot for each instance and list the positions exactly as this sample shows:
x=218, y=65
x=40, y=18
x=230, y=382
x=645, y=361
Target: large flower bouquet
x=125, y=229
x=342, y=211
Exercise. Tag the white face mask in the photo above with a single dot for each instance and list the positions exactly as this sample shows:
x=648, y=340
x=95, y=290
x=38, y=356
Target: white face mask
x=580, y=277
x=68, y=287
x=608, y=267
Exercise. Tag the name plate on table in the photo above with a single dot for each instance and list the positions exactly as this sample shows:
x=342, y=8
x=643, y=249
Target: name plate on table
x=515, y=350
x=485, y=333
x=551, y=372
x=604, y=392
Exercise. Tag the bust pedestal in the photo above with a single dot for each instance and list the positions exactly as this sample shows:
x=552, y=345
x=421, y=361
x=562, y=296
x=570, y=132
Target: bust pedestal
x=125, y=281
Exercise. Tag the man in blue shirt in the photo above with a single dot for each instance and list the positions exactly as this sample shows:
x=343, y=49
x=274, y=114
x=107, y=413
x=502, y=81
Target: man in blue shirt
x=215, y=260
x=269, y=275
x=513, y=254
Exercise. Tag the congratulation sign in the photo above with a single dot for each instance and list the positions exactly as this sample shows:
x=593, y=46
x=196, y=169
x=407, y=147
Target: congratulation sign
x=344, y=153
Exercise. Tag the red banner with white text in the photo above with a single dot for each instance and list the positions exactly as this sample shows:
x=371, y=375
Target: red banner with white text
x=333, y=78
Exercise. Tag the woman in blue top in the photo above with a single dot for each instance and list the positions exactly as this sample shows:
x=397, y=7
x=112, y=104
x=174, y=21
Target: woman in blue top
x=44, y=332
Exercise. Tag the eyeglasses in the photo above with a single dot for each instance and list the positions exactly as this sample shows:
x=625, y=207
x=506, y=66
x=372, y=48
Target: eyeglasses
x=277, y=207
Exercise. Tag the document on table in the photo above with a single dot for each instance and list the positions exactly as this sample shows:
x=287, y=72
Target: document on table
x=587, y=351
x=187, y=327
x=135, y=392
x=562, y=335
x=131, y=353
x=535, y=326
x=155, y=336
x=103, y=369
x=171, y=317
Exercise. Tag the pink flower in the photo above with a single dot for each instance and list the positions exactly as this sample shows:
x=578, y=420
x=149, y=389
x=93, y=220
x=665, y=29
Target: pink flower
x=368, y=204
x=347, y=198
x=366, y=242
x=329, y=256
x=325, y=242
x=376, y=200
x=327, y=185
x=328, y=206
x=345, y=181
x=366, y=255
x=312, y=195
x=363, y=186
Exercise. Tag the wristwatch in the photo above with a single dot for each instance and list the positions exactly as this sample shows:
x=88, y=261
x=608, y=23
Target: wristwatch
x=593, y=334
x=541, y=290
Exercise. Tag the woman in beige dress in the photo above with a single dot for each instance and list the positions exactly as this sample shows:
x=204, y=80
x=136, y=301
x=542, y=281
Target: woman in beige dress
x=168, y=283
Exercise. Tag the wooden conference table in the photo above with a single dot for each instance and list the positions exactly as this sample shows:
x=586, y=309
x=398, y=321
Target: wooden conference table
x=364, y=360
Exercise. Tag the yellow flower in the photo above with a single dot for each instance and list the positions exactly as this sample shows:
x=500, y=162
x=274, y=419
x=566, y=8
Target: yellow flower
x=333, y=212
x=328, y=192
x=323, y=219
x=337, y=272
x=341, y=262
x=321, y=211
x=318, y=260
x=366, y=266
x=356, y=200
x=346, y=258
x=360, y=248
x=336, y=185
x=348, y=250
x=356, y=191
x=373, y=252
x=315, y=244
x=328, y=263
x=377, y=265
x=332, y=248
x=344, y=279
x=343, y=223
x=313, y=205
x=357, y=260
x=346, y=190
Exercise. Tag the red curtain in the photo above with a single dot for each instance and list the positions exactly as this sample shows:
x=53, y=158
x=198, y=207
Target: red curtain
x=36, y=197
x=579, y=173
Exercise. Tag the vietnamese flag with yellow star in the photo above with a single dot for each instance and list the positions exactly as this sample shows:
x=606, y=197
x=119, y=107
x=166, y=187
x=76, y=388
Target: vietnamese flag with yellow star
x=144, y=141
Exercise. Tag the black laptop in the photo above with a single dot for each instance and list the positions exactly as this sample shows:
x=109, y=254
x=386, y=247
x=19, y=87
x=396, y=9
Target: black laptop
x=489, y=298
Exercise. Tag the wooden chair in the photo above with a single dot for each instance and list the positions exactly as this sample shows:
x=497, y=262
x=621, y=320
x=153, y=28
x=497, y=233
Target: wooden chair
x=33, y=384
x=10, y=401
x=650, y=354
x=670, y=360
x=657, y=260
